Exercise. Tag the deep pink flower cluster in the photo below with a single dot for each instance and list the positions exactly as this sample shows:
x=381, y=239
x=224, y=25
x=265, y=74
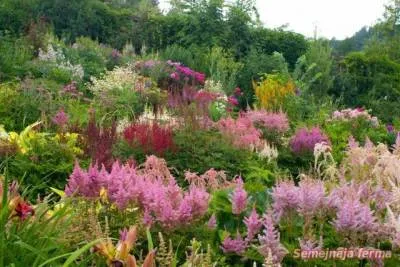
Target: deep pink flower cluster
x=152, y=188
x=305, y=140
x=275, y=122
x=152, y=138
x=188, y=72
x=241, y=131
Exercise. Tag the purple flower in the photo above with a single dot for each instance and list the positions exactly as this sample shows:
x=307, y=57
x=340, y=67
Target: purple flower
x=115, y=54
x=253, y=224
x=61, y=118
x=239, y=198
x=390, y=128
x=237, y=245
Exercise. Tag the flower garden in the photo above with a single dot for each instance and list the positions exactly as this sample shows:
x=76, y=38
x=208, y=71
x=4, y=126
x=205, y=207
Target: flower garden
x=110, y=157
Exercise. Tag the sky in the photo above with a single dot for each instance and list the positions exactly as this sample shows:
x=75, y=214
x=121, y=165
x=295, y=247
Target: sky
x=332, y=18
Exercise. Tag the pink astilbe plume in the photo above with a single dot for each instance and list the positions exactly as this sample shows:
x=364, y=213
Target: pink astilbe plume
x=285, y=198
x=355, y=217
x=151, y=188
x=239, y=198
x=311, y=197
x=237, y=245
x=275, y=122
x=253, y=224
x=241, y=132
x=270, y=241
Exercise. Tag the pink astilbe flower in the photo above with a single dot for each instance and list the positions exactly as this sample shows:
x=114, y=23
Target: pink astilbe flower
x=270, y=241
x=311, y=244
x=61, y=118
x=239, y=198
x=354, y=217
x=285, y=198
x=253, y=224
x=212, y=222
x=311, y=197
x=274, y=122
x=237, y=245
x=154, y=191
x=241, y=131
x=305, y=140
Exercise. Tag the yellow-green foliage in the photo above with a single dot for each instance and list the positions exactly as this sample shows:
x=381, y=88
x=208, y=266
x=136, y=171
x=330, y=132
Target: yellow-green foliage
x=272, y=91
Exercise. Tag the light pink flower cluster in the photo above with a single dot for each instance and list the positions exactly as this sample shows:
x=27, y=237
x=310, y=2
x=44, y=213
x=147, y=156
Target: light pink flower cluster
x=239, y=198
x=61, y=118
x=152, y=188
x=307, y=199
x=241, y=131
x=270, y=241
x=350, y=114
x=275, y=122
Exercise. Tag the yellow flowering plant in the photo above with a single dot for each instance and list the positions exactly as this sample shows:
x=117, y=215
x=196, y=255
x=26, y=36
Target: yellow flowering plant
x=272, y=91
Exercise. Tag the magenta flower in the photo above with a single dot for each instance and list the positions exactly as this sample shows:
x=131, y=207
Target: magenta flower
x=233, y=101
x=237, y=245
x=239, y=198
x=175, y=76
x=61, y=118
x=304, y=140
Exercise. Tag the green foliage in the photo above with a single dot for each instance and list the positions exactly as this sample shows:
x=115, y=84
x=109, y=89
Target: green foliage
x=371, y=81
x=14, y=54
x=313, y=70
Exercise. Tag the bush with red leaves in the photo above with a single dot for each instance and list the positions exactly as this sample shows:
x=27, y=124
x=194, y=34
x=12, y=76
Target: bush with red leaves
x=151, y=138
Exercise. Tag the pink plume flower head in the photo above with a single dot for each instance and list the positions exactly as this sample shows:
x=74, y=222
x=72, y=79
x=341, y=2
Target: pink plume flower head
x=239, y=198
x=253, y=224
x=285, y=198
x=212, y=222
x=151, y=188
x=237, y=245
x=311, y=196
x=270, y=241
x=275, y=122
x=61, y=118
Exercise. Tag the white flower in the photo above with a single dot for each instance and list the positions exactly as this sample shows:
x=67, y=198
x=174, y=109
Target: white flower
x=269, y=152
